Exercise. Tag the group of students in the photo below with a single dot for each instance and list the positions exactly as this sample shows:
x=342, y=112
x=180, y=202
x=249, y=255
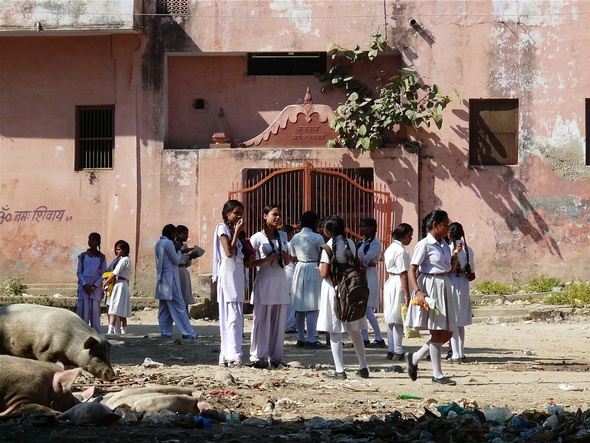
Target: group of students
x=95, y=279
x=433, y=285
x=173, y=285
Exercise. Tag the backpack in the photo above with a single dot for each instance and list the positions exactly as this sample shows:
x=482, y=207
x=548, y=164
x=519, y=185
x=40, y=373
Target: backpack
x=350, y=286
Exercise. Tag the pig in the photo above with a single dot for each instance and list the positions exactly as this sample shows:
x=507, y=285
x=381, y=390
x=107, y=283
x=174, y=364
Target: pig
x=90, y=413
x=157, y=398
x=27, y=385
x=54, y=335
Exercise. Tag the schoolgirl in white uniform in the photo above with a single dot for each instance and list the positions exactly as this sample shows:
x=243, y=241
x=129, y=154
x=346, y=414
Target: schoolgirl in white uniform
x=433, y=259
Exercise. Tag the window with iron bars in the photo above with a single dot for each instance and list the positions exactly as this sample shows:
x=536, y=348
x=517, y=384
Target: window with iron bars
x=172, y=7
x=95, y=137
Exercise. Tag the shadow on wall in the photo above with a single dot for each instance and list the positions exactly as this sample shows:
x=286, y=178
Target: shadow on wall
x=499, y=187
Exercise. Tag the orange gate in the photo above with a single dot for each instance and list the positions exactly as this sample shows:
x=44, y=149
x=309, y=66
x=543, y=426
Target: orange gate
x=324, y=190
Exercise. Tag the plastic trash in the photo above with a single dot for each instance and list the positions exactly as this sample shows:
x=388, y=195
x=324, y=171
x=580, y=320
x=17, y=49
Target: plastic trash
x=568, y=387
x=498, y=414
x=528, y=352
x=232, y=417
x=555, y=409
x=409, y=397
x=149, y=363
x=444, y=410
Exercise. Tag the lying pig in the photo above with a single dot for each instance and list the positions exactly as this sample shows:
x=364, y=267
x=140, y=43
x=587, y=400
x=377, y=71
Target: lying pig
x=90, y=413
x=27, y=385
x=54, y=335
x=157, y=398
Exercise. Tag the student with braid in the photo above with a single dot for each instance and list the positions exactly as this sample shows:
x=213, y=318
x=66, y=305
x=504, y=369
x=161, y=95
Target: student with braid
x=460, y=276
x=270, y=294
x=342, y=250
x=369, y=254
x=230, y=274
x=433, y=258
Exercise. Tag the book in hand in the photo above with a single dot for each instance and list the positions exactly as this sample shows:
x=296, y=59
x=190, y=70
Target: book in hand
x=197, y=252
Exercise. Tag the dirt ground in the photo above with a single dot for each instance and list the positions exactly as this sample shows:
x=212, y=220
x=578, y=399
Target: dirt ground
x=518, y=365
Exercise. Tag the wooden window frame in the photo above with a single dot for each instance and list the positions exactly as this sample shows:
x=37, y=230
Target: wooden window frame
x=493, y=136
x=94, y=144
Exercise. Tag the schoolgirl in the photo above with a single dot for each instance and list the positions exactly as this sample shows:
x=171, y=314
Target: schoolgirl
x=119, y=303
x=396, y=290
x=91, y=266
x=433, y=259
x=328, y=320
x=270, y=293
x=460, y=276
x=369, y=253
x=229, y=273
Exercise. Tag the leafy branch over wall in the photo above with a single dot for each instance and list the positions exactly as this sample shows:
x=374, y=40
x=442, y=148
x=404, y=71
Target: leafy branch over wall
x=365, y=122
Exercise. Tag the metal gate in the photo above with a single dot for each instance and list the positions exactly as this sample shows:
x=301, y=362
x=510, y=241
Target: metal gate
x=325, y=190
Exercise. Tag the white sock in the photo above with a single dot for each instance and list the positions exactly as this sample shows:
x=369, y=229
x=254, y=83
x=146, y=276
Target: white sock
x=390, y=341
x=111, y=329
x=123, y=331
x=421, y=353
x=359, y=348
x=461, y=330
x=336, y=346
x=398, y=336
x=435, y=356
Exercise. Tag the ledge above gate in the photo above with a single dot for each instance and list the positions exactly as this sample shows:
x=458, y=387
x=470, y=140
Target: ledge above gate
x=297, y=126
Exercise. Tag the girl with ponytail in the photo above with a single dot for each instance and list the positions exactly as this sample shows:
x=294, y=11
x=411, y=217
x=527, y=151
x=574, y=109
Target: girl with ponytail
x=270, y=294
x=460, y=276
x=343, y=252
x=433, y=258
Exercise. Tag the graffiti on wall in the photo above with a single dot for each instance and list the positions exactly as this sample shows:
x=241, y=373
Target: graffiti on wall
x=41, y=214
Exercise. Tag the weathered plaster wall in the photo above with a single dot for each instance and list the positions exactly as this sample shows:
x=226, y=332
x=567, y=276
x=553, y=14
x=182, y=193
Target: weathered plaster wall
x=523, y=219
x=42, y=80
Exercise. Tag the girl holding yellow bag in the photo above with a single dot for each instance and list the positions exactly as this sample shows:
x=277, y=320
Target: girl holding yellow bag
x=119, y=301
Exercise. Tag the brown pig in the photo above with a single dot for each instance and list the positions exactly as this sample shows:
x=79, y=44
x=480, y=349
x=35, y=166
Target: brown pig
x=35, y=385
x=54, y=335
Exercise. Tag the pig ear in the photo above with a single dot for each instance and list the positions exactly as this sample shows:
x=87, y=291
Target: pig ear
x=87, y=393
x=62, y=381
x=90, y=342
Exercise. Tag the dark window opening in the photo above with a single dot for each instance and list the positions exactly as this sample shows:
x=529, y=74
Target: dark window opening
x=286, y=63
x=493, y=132
x=95, y=137
x=172, y=7
x=587, y=120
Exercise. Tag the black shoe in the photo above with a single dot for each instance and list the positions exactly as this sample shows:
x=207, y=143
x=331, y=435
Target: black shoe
x=189, y=337
x=389, y=356
x=449, y=354
x=313, y=345
x=335, y=375
x=300, y=344
x=444, y=381
x=378, y=344
x=363, y=373
x=367, y=343
x=277, y=364
x=412, y=368
x=398, y=357
x=291, y=331
x=258, y=364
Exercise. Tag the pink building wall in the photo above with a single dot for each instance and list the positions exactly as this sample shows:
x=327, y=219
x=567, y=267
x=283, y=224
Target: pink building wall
x=520, y=220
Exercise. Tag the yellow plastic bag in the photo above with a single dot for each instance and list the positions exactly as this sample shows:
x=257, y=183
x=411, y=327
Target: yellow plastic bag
x=408, y=332
x=106, y=275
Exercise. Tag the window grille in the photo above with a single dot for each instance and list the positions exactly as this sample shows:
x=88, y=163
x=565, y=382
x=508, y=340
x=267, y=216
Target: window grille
x=95, y=137
x=172, y=7
x=493, y=132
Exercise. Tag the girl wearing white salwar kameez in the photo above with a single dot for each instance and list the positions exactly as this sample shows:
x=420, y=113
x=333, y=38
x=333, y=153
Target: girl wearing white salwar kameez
x=119, y=303
x=230, y=274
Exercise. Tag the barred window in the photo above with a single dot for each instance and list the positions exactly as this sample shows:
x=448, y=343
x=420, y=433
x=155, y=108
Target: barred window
x=286, y=63
x=172, y=7
x=493, y=132
x=95, y=137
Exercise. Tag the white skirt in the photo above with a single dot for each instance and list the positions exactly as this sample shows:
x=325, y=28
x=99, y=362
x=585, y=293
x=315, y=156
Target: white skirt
x=327, y=319
x=393, y=298
x=460, y=288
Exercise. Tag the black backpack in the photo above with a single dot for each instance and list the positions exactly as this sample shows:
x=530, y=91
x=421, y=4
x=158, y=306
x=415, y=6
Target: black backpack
x=350, y=285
